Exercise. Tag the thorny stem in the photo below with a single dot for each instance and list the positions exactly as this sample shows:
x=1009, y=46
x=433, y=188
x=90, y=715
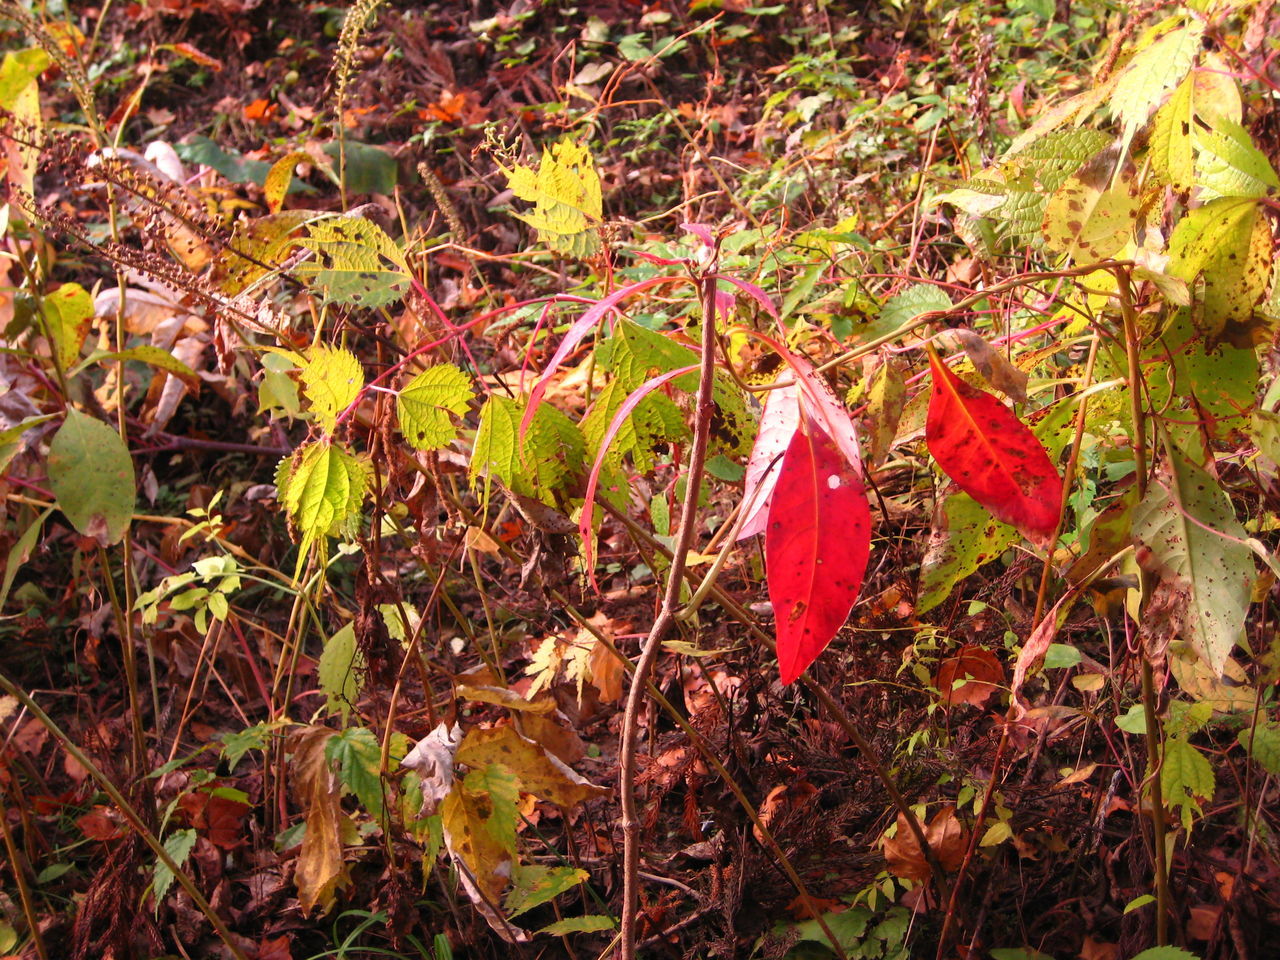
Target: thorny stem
x=129, y=813
x=666, y=618
x=1132, y=344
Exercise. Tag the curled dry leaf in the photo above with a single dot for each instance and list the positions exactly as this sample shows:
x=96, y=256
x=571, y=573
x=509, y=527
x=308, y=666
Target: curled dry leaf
x=946, y=838
x=432, y=759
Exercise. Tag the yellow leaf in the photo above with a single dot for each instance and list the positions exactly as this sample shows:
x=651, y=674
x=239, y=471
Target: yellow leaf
x=535, y=770
x=320, y=868
x=565, y=192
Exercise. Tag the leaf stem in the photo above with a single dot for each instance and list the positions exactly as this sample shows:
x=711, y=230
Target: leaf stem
x=666, y=619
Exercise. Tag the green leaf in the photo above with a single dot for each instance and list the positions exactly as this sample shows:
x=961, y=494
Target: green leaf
x=1092, y=215
x=1229, y=165
x=1197, y=546
x=1186, y=777
x=358, y=755
x=536, y=466
x=1208, y=93
x=965, y=536
x=331, y=381
x=1138, y=902
x=91, y=474
x=369, y=169
x=1228, y=243
x=1262, y=743
x=338, y=671
x=322, y=488
x=1151, y=72
x=178, y=845
x=534, y=885
x=1166, y=953
x=257, y=737
x=355, y=262
x=909, y=303
x=565, y=191
x=1134, y=720
x=427, y=404
x=591, y=923
x=68, y=311
x=19, y=553
x=1061, y=655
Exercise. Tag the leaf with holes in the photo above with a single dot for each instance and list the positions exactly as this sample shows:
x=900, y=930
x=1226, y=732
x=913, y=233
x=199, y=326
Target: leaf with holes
x=355, y=262
x=991, y=455
x=1192, y=539
x=427, y=404
x=817, y=543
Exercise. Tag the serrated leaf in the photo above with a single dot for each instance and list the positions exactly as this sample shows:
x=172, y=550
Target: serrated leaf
x=1227, y=163
x=322, y=489
x=331, y=381
x=1141, y=86
x=1195, y=543
x=817, y=543
x=535, y=770
x=1035, y=173
x=534, y=885
x=257, y=737
x=535, y=466
x=1092, y=215
x=355, y=262
x=428, y=403
x=257, y=247
x=358, y=756
x=565, y=191
x=68, y=311
x=92, y=477
x=339, y=671
x=1262, y=743
x=1166, y=953
x=1186, y=778
x=991, y=455
x=178, y=845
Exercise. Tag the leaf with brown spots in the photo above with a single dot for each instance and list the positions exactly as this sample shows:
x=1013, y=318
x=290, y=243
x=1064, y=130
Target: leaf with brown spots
x=1091, y=217
x=817, y=543
x=992, y=455
x=535, y=770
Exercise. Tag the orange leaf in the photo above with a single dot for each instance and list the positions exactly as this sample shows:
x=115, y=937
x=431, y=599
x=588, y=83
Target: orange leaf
x=992, y=456
x=980, y=672
x=945, y=836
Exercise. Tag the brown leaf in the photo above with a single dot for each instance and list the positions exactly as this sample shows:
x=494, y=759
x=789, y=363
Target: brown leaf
x=946, y=837
x=782, y=801
x=100, y=823
x=220, y=819
x=983, y=671
x=314, y=785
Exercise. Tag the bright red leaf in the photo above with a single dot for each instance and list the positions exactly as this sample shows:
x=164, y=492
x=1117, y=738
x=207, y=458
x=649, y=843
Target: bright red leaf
x=817, y=543
x=992, y=456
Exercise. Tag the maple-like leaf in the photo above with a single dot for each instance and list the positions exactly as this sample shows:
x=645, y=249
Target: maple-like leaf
x=991, y=455
x=565, y=191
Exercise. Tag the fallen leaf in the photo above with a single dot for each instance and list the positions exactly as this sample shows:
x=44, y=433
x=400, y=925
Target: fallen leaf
x=320, y=867
x=971, y=676
x=945, y=836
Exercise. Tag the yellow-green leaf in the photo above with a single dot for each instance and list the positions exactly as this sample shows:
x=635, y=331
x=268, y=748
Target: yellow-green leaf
x=479, y=817
x=92, y=477
x=1228, y=243
x=1151, y=72
x=1092, y=215
x=256, y=247
x=339, y=670
x=537, y=771
x=355, y=262
x=322, y=488
x=331, y=381
x=565, y=191
x=68, y=311
x=1208, y=93
x=429, y=402
x=1229, y=165
x=534, y=885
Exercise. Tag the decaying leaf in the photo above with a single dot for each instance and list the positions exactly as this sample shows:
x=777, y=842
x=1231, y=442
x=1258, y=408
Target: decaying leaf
x=432, y=759
x=320, y=867
x=945, y=836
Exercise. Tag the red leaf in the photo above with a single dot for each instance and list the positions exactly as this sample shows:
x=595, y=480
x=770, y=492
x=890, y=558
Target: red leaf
x=992, y=456
x=816, y=546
